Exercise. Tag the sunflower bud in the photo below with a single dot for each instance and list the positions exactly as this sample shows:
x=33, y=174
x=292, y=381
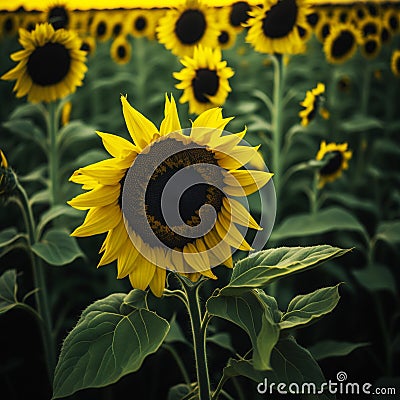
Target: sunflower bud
x=8, y=180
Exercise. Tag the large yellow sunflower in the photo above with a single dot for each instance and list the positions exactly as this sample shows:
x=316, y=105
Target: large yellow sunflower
x=312, y=104
x=204, y=79
x=339, y=156
x=190, y=24
x=273, y=28
x=341, y=43
x=124, y=196
x=50, y=66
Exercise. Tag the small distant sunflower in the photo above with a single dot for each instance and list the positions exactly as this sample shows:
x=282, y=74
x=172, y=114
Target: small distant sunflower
x=395, y=63
x=50, y=66
x=58, y=15
x=323, y=27
x=100, y=27
x=370, y=26
x=121, y=50
x=204, y=79
x=371, y=46
x=141, y=23
x=9, y=24
x=29, y=21
x=313, y=18
x=238, y=14
x=273, y=27
x=186, y=26
x=313, y=104
x=88, y=45
x=117, y=25
x=392, y=18
x=343, y=15
x=139, y=257
x=227, y=37
x=339, y=155
x=341, y=43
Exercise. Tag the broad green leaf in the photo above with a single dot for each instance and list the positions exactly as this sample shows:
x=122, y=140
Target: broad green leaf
x=376, y=278
x=37, y=175
x=106, y=345
x=389, y=232
x=175, y=333
x=306, y=309
x=74, y=132
x=27, y=129
x=223, y=340
x=8, y=290
x=291, y=364
x=26, y=110
x=361, y=123
x=350, y=201
x=181, y=391
x=333, y=348
x=57, y=247
x=249, y=312
x=53, y=213
x=136, y=298
x=41, y=197
x=263, y=267
x=9, y=236
x=326, y=220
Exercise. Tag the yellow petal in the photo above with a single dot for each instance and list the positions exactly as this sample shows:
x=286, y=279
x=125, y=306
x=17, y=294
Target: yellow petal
x=98, y=197
x=219, y=250
x=230, y=234
x=142, y=274
x=140, y=128
x=113, y=243
x=239, y=181
x=237, y=157
x=99, y=220
x=197, y=261
x=157, y=284
x=170, y=122
x=117, y=146
x=237, y=213
x=126, y=259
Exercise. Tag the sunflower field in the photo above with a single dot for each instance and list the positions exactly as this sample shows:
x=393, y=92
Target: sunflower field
x=199, y=199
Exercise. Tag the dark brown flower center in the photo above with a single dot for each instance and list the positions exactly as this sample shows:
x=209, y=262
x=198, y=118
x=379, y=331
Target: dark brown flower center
x=239, y=14
x=140, y=24
x=223, y=38
x=205, y=83
x=190, y=26
x=49, y=64
x=280, y=19
x=101, y=29
x=121, y=51
x=394, y=23
x=370, y=28
x=342, y=44
x=58, y=17
x=370, y=46
x=8, y=25
x=334, y=163
x=117, y=28
x=313, y=19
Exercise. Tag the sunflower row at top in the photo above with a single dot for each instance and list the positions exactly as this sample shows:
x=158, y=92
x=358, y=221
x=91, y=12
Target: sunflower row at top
x=40, y=5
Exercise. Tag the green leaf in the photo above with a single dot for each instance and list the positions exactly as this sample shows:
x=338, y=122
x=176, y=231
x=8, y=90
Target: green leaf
x=375, y=278
x=389, y=232
x=57, y=247
x=223, y=340
x=106, y=345
x=333, y=348
x=181, y=391
x=306, y=309
x=263, y=267
x=8, y=290
x=53, y=213
x=41, y=197
x=27, y=129
x=74, y=132
x=26, y=110
x=9, y=236
x=136, y=298
x=326, y=220
x=175, y=333
x=250, y=313
x=291, y=364
x=361, y=123
x=350, y=201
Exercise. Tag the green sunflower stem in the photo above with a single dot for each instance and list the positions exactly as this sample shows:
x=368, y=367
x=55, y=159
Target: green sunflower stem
x=52, y=129
x=41, y=296
x=277, y=122
x=314, y=194
x=199, y=336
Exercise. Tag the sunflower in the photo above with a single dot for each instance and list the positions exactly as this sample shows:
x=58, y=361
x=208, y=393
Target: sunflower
x=337, y=160
x=227, y=37
x=238, y=14
x=392, y=19
x=395, y=63
x=313, y=18
x=50, y=66
x=29, y=21
x=121, y=50
x=88, y=45
x=273, y=27
x=100, y=28
x=9, y=23
x=125, y=194
x=58, y=15
x=8, y=180
x=204, y=79
x=370, y=26
x=142, y=23
x=312, y=104
x=341, y=43
x=186, y=26
x=371, y=46
x=323, y=27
